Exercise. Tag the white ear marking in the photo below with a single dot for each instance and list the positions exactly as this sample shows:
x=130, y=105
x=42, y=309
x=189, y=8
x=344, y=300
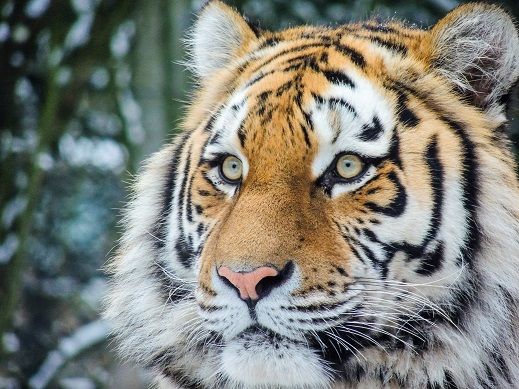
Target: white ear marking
x=476, y=47
x=219, y=35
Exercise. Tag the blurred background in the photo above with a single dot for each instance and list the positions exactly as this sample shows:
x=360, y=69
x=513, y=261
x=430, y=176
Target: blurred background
x=88, y=89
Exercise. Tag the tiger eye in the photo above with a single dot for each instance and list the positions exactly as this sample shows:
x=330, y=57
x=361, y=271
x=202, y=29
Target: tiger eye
x=349, y=166
x=231, y=169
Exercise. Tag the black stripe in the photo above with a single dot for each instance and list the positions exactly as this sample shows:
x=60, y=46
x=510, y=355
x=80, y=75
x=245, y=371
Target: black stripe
x=437, y=178
x=405, y=114
x=208, y=129
x=380, y=265
x=355, y=251
x=215, y=138
x=449, y=381
x=336, y=77
x=209, y=125
x=348, y=241
x=170, y=291
x=299, y=101
x=210, y=182
x=180, y=378
x=270, y=42
x=260, y=77
x=490, y=377
x=291, y=50
x=334, y=101
x=394, y=150
x=324, y=58
x=470, y=178
x=431, y=262
x=354, y=55
x=501, y=365
x=470, y=174
x=397, y=205
x=458, y=304
x=305, y=131
x=318, y=99
x=189, y=200
x=303, y=62
x=393, y=46
x=160, y=230
x=371, y=132
x=284, y=88
x=242, y=135
x=333, y=351
x=183, y=247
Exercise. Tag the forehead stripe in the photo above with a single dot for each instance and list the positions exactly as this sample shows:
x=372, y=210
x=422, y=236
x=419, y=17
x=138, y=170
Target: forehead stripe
x=338, y=78
x=355, y=56
x=335, y=101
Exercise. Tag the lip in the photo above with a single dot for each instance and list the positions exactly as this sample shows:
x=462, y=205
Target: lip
x=259, y=333
x=259, y=329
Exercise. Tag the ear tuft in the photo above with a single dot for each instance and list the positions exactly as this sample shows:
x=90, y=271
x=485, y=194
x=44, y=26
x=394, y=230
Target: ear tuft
x=476, y=47
x=219, y=36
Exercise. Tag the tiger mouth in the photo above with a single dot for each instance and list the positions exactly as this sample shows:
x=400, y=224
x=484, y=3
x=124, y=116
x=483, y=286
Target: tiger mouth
x=257, y=330
x=320, y=341
x=258, y=335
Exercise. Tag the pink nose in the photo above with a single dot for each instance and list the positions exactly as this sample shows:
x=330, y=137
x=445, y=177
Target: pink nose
x=246, y=282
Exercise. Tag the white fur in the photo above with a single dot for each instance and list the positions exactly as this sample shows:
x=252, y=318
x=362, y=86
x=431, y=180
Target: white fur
x=470, y=41
x=215, y=39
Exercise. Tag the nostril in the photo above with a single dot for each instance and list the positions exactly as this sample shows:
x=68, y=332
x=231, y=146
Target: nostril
x=255, y=284
x=267, y=284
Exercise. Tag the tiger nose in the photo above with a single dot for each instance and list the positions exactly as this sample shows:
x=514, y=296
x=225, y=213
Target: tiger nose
x=247, y=282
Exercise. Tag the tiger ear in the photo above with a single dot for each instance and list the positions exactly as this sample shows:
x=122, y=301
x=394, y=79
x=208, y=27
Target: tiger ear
x=476, y=47
x=219, y=36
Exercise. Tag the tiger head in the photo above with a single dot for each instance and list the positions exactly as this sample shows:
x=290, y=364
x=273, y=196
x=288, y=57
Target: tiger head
x=341, y=208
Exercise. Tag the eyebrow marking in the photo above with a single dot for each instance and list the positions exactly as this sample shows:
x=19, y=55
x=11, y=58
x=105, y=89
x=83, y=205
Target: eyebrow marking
x=371, y=132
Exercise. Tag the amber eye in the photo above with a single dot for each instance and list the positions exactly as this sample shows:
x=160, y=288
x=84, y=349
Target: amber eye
x=349, y=166
x=231, y=169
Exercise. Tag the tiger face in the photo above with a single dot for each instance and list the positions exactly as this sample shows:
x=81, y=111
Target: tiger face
x=328, y=215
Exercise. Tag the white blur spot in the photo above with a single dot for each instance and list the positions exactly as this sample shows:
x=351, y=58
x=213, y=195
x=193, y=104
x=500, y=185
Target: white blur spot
x=79, y=33
x=4, y=32
x=20, y=33
x=120, y=42
x=100, y=78
x=36, y=8
x=8, y=248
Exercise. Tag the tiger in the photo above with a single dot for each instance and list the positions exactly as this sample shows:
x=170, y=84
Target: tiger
x=339, y=210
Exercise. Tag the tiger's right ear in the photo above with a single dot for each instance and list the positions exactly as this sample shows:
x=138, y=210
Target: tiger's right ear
x=476, y=47
x=219, y=36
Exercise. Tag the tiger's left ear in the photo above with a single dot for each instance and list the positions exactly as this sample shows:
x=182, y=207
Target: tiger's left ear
x=219, y=36
x=476, y=47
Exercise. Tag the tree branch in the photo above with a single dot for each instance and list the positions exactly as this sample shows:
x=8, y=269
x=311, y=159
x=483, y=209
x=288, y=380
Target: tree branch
x=68, y=348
